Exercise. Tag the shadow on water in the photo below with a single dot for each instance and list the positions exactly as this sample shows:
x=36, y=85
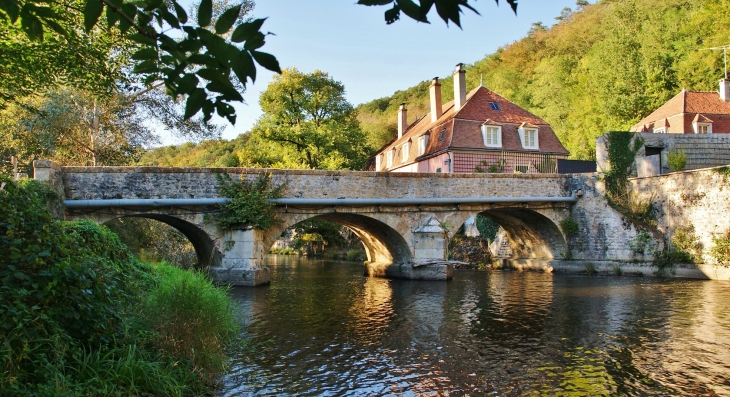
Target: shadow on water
x=322, y=328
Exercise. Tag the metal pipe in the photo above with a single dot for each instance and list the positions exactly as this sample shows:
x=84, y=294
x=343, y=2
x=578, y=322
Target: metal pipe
x=100, y=203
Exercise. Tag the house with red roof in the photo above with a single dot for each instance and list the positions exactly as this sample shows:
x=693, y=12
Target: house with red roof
x=479, y=131
x=691, y=112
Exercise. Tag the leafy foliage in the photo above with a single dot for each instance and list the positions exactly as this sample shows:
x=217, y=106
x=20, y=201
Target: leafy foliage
x=80, y=316
x=569, y=226
x=307, y=115
x=154, y=241
x=249, y=203
x=448, y=10
x=721, y=250
x=686, y=244
x=496, y=167
x=192, y=60
x=677, y=159
x=487, y=228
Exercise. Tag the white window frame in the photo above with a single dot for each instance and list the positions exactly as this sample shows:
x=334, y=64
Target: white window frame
x=523, y=138
x=378, y=162
x=389, y=158
x=660, y=130
x=486, y=135
x=405, y=152
x=422, y=143
x=697, y=126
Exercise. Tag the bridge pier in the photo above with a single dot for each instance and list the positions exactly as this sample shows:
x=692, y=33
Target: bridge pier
x=242, y=263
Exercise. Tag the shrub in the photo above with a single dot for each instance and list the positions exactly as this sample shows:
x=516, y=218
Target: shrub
x=249, y=203
x=685, y=241
x=355, y=255
x=569, y=226
x=721, y=250
x=677, y=159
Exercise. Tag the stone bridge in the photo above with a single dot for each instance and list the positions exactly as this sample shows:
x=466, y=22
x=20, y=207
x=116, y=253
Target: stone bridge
x=402, y=218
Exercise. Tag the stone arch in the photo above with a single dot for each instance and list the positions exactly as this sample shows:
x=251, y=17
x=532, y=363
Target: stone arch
x=205, y=248
x=382, y=243
x=531, y=234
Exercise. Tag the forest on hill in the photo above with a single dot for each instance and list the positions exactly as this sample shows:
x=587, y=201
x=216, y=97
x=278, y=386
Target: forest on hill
x=602, y=67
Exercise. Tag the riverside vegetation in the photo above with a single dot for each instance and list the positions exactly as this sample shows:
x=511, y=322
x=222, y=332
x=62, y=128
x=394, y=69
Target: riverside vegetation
x=81, y=316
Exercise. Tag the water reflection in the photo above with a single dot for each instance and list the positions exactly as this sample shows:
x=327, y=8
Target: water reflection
x=324, y=329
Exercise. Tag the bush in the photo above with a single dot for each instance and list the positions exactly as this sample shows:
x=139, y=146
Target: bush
x=569, y=226
x=677, y=159
x=355, y=255
x=721, y=250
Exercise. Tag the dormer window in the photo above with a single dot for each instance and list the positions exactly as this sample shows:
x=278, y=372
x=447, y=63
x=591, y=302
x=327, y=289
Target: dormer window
x=492, y=135
x=528, y=136
x=703, y=128
x=660, y=130
x=406, y=151
x=422, y=143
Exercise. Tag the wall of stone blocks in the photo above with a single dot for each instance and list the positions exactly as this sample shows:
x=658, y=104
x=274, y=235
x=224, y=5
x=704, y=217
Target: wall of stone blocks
x=700, y=198
x=703, y=151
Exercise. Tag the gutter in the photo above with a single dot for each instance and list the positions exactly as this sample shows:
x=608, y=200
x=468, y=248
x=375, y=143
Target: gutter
x=354, y=202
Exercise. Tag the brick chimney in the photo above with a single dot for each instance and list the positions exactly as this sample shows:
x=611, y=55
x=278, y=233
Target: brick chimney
x=402, y=120
x=436, y=106
x=725, y=90
x=459, y=86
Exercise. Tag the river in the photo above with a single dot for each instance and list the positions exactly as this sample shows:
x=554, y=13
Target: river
x=323, y=329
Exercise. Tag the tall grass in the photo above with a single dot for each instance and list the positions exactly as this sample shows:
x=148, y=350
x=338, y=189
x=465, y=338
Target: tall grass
x=190, y=319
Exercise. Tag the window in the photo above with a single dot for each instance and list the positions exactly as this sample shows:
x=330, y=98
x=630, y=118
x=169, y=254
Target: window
x=660, y=130
x=522, y=168
x=492, y=135
x=442, y=135
x=422, y=143
x=529, y=138
x=703, y=128
x=494, y=106
x=406, y=151
x=378, y=162
x=389, y=158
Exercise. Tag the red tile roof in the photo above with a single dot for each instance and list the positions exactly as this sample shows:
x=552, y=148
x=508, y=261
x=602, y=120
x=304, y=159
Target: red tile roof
x=696, y=102
x=462, y=129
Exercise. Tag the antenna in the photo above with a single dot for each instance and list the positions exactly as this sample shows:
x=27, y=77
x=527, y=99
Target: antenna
x=724, y=49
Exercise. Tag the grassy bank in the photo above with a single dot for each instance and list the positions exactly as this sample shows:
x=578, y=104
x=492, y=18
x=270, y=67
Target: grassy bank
x=80, y=316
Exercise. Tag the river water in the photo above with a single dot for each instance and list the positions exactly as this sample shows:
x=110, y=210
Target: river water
x=323, y=329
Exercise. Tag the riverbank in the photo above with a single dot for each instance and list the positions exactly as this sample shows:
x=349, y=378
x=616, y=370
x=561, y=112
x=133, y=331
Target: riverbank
x=81, y=316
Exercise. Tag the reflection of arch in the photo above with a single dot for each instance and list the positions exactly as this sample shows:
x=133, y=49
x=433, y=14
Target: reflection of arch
x=204, y=246
x=532, y=235
x=382, y=243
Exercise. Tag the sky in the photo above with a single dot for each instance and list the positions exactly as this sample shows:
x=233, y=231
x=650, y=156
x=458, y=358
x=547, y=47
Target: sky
x=353, y=44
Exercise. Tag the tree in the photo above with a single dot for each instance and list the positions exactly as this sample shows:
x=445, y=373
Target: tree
x=200, y=61
x=308, y=114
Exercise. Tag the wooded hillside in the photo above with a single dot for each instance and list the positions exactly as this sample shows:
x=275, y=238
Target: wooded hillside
x=601, y=67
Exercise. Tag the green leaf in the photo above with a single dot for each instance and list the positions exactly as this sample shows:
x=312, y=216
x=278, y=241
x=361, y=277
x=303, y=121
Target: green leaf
x=226, y=21
x=392, y=15
x=245, y=30
x=11, y=8
x=182, y=16
x=142, y=39
x=187, y=83
x=244, y=67
x=170, y=19
x=205, y=12
x=255, y=41
x=266, y=60
x=31, y=25
x=195, y=102
x=145, y=53
x=146, y=67
x=412, y=10
x=92, y=11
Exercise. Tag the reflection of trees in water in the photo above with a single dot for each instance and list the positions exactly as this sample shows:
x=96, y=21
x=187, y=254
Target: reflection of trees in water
x=154, y=241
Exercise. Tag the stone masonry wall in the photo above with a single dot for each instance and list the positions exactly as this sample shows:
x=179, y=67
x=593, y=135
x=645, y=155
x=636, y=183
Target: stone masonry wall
x=700, y=198
x=155, y=182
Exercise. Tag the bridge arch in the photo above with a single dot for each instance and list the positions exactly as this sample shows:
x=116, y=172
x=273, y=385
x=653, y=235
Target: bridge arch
x=382, y=243
x=205, y=248
x=532, y=233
